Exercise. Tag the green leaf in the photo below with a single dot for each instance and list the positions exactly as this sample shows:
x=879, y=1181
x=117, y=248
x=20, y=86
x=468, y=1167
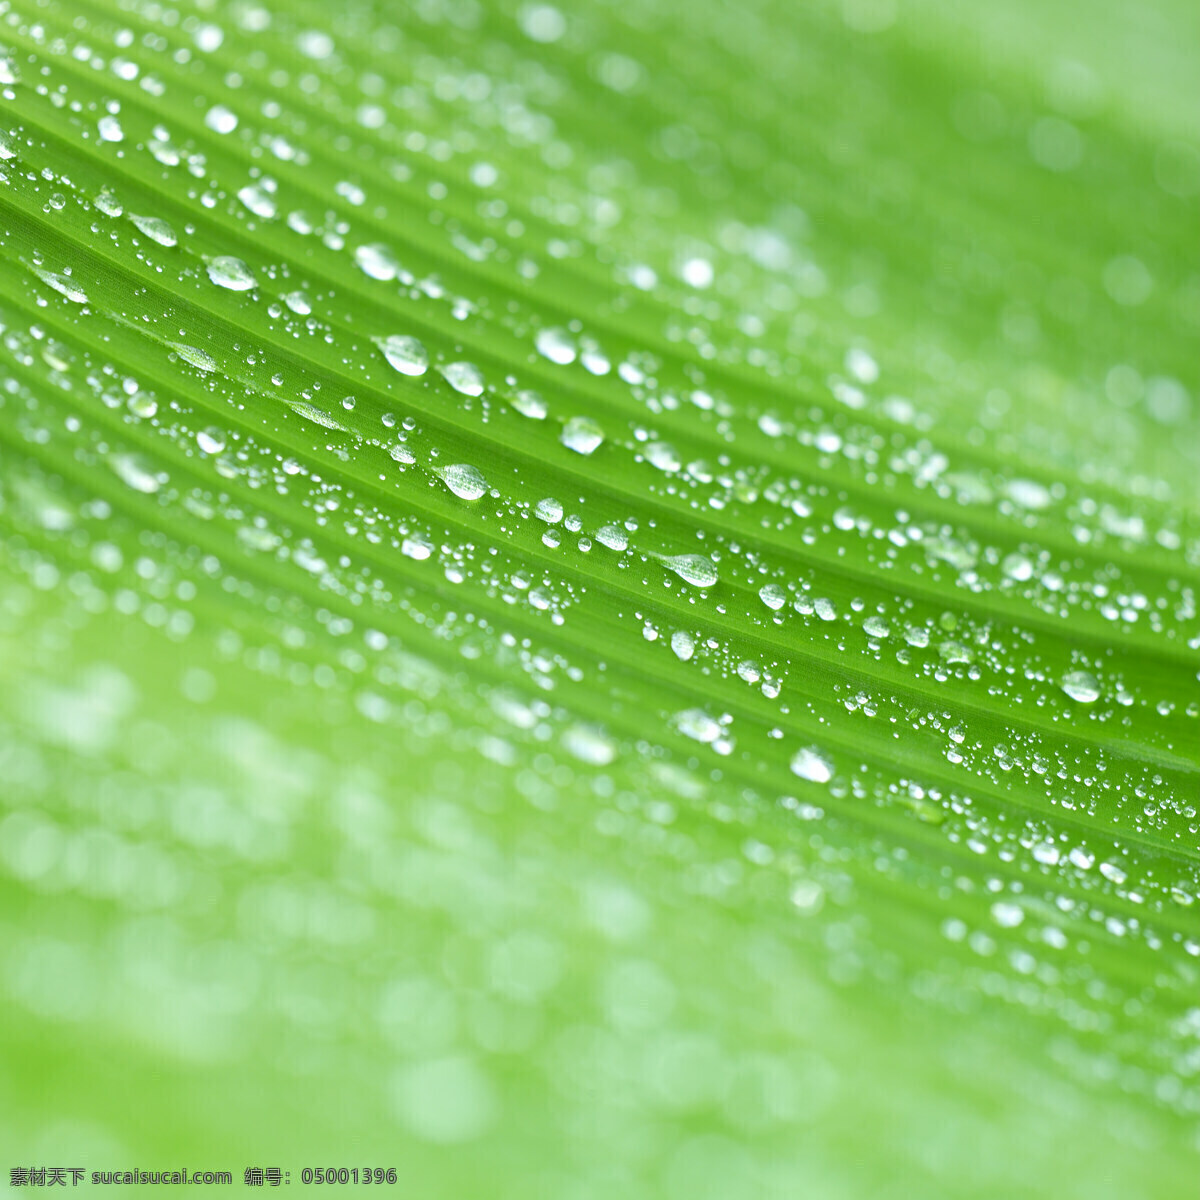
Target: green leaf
x=602, y=600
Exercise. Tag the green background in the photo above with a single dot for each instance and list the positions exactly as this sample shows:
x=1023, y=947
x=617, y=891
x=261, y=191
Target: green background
x=794, y=796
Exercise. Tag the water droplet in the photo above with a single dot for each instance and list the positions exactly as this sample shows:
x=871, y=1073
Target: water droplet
x=612, y=536
x=110, y=129
x=697, y=273
x=211, y=440
x=463, y=377
x=463, y=480
x=582, y=435
x=589, y=745
x=318, y=416
x=529, y=404
x=694, y=569
x=298, y=302
x=107, y=203
x=221, y=119
x=229, y=272
x=663, y=456
x=1028, y=494
x=404, y=354
x=549, y=510
x=402, y=454
x=1017, y=568
x=809, y=763
x=876, y=627
x=134, y=471
x=825, y=609
x=377, y=261
x=773, y=596
x=698, y=725
x=258, y=199
x=154, y=228
x=557, y=345
x=64, y=285
x=683, y=644
x=1081, y=686
x=194, y=356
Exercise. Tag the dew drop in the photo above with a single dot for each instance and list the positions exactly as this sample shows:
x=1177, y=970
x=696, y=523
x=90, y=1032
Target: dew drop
x=155, y=228
x=221, y=119
x=211, y=440
x=229, y=272
x=612, y=536
x=463, y=377
x=557, y=345
x=195, y=357
x=549, y=510
x=809, y=763
x=529, y=404
x=693, y=569
x=1081, y=686
x=582, y=435
x=134, y=471
x=773, y=596
x=683, y=644
x=463, y=480
x=404, y=354
x=876, y=627
x=110, y=129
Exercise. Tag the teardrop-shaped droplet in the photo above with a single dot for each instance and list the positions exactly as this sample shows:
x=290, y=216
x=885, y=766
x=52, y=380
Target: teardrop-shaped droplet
x=692, y=568
x=1081, y=686
x=582, y=435
x=229, y=272
x=155, y=228
x=463, y=377
x=404, y=354
x=463, y=480
x=809, y=763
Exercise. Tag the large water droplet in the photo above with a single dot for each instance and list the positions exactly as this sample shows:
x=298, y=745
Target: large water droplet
x=773, y=596
x=582, y=435
x=692, y=568
x=1081, y=686
x=154, y=228
x=64, y=285
x=557, y=345
x=463, y=480
x=683, y=644
x=810, y=764
x=404, y=354
x=377, y=261
x=194, y=356
x=463, y=377
x=229, y=272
